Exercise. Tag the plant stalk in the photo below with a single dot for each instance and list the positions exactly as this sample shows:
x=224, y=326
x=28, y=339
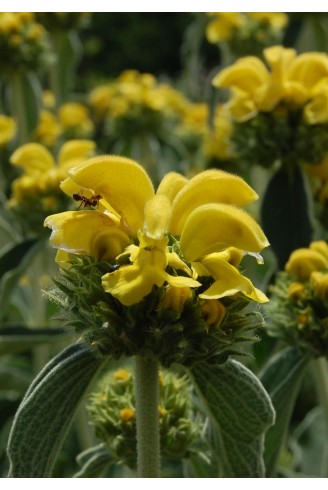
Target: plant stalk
x=321, y=373
x=147, y=392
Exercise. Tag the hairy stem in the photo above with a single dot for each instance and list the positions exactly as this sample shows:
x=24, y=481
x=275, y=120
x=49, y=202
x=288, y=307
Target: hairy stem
x=147, y=388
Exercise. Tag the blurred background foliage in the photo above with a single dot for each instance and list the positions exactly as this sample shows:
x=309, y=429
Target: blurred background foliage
x=172, y=47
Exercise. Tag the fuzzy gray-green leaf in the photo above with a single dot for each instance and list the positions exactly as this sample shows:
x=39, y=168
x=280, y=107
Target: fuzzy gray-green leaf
x=43, y=418
x=240, y=411
x=281, y=378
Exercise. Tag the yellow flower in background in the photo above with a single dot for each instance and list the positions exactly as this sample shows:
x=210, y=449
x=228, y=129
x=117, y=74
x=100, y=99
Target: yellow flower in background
x=41, y=171
x=7, y=129
x=303, y=261
x=298, y=81
x=217, y=139
x=170, y=237
x=222, y=25
x=278, y=20
x=74, y=116
x=48, y=129
x=245, y=32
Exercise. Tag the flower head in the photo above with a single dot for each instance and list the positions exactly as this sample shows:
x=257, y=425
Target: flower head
x=149, y=261
x=183, y=224
x=299, y=300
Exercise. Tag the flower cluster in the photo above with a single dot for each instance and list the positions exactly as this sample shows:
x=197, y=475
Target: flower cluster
x=22, y=42
x=246, y=32
x=113, y=415
x=36, y=192
x=152, y=268
x=285, y=106
x=133, y=94
x=298, y=306
x=71, y=121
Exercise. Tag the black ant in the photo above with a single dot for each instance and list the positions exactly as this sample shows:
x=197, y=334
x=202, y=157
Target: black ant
x=87, y=201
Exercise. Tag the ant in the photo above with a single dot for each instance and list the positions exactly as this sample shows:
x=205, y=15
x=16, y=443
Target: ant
x=87, y=201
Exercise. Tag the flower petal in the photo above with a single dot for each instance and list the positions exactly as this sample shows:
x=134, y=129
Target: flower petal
x=210, y=186
x=74, y=152
x=33, y=158
x=171, y=184
x=122, y=182
x=131, y=283
x=228, y=281
x=215, y=227
x=87, y=233
x=157, y=216
x=246, y=74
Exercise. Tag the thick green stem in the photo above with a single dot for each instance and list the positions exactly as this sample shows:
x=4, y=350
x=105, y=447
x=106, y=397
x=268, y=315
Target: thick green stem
x=147, y=388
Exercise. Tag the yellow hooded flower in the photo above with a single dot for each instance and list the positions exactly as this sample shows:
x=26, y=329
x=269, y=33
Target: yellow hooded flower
x=159, y=234
x=299, y=80
x=41, y=172
x=222, y=25
x=303, y=261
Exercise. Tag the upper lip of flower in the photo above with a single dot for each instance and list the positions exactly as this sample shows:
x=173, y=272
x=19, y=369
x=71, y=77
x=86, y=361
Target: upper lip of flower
x=202, y=211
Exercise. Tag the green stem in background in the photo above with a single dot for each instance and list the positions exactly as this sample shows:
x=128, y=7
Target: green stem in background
x=321, y=373
x=19, y=107
x=321, y=377
x=147, y=392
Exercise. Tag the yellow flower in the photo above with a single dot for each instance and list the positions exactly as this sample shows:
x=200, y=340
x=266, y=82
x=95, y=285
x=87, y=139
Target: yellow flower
x=222, y=26
x=75, y=116
x=213, y=312
x=41, y=172
x=277, y=20
x=299, y=80
x=7, y=129
x=175, y=298
x=127, y=414
x=319, y=283
x=121, y=375
x=134, y=224
x=303, y=261
x=296, y=291
x=48, y=129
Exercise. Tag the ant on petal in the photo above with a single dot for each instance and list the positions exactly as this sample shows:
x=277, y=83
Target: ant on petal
x=87, y=201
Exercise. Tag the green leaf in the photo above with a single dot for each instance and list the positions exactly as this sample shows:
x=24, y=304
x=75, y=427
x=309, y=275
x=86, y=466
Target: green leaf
x=240, y=411
x=11, y=276
x=13, y=254
x=285, y=215
x=309, y=445
x=94, y=462
x=26, y=96
x=44, y=416
x=68, y=53
x=14, y=379
x=281, y=378
x=19, y=339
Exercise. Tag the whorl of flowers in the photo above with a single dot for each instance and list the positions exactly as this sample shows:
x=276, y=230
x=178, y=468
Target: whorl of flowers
x=157, y=271
x=298, y=309
x=22, y=42
x=113, y=415
x=283, y=102
x=245, y=32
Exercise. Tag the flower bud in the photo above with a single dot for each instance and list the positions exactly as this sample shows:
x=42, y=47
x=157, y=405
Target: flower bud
x=213, y=312
x=175, y=298
x=296, y=291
